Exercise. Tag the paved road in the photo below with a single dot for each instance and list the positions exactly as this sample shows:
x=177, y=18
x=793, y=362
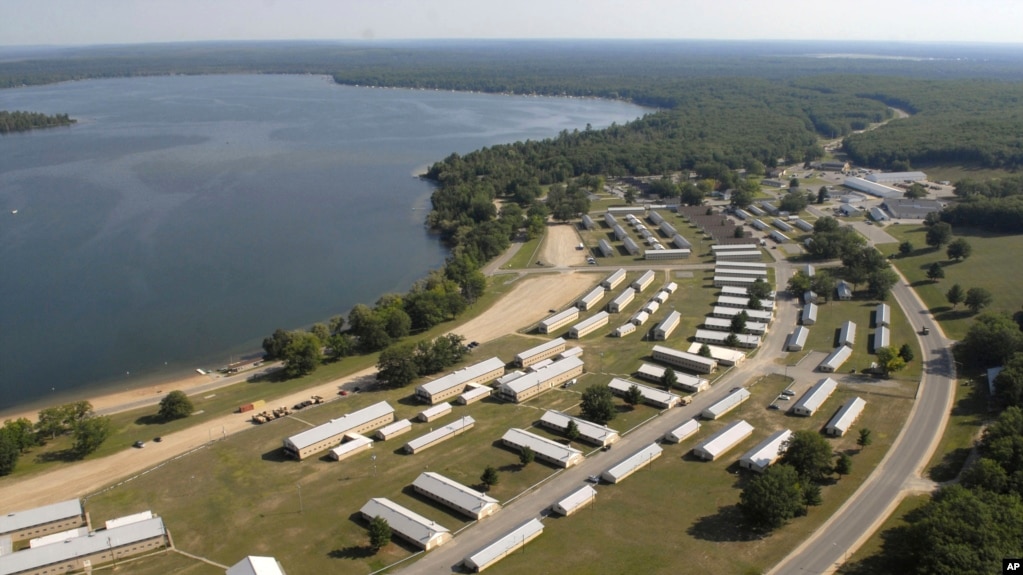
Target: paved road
x=875, y=500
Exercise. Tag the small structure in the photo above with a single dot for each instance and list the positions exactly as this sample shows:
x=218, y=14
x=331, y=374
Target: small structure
x=809, y=314
x=434, y=413
x=540, y=352
x=393, y=430
x=453, y=494
x=589, y=325
x=721, y=442
x=651, y=306
x=559, y=320
x=844, y=290
x=766, y=452
x=424, y=533
x=797, y=339
x=354, y=443
x=589, y=300
x=545, y=449
x=570, y=352
x=815, y=397
x=685, y=381
x=835, y=359
x=623, y=299
x=810, y=296
x=474, y=394
x=327, y=435
x=128, y=519
x=666, y=327
x=632, y=464
x=683, y=432
x=845, y=417
x=847, y=334
x=424, y=442
x=881, y=338
x=644, y=280
x=669, y=288
x=589, y=432
x=504, y=546
x=624, y=329
x=726, y=404
x=809, y=271
x=655, y=397
x=255, y=565
x=575, y=501
x=614, y=280
x=883, y=315
x=683, y=359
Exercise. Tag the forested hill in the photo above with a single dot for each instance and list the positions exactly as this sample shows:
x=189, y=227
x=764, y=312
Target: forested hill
x=24, y=121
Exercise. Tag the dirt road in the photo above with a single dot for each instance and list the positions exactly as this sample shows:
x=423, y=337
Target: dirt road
x=559, y=247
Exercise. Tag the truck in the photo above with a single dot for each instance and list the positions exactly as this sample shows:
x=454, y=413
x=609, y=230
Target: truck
x=686, y=400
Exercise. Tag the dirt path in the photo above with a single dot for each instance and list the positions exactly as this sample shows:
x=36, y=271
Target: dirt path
x=559, y=247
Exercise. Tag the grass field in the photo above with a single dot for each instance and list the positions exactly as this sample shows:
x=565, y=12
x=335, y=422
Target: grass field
x=994, y=265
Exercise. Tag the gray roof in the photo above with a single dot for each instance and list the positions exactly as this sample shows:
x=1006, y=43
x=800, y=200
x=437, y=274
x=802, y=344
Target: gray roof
x=460, y=377
x=340, y=425
x=19, y=520
x=498, y=549
x=97, y=542
x=451, y=429
x=408, y=523
x=541, y=445
x=587, y=429
x=812, y=400
x=449, y=490
x=636, y=460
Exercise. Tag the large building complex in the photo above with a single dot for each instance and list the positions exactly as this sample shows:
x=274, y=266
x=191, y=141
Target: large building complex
x=455, y=383
x=331, y=434
x=532, y=384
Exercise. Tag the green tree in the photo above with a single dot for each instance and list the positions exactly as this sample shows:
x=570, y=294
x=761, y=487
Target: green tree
x=1009, y=382
x=754, y=304
x=598, y=404
x=955, y=295
x=799, y=284
x=822, y=195
x=340, y=345
x=770, y=500
x=9, y=452
x=379, y=533
x=732, y=340
x=986, y=474
x=669, y=380
x=175, y=405
x=321, y=331
x=915, y=191
x=812, y=495
x=977, y=298
x=274, y=346
x=889, y=361
x=935, y=272
x=824, y=284
x=302, y=355
x=336, y=324
x=793, y=183
x=490, y=477
x=959, y=249
x=759, y=289
x=880, y=284
x=23, y=432
x=991, y=340
x=793, y=202
x=738, y=324
x=939, y=234
x=90, y=433
x=630, y=196
x=704, y=351
x=397, y=366
x=843, y=464
x=633, y=396
x=906, y=353
x=809, y=454
x=527, y=455
x=572, y=431
x=906, y=248
x=865, y=438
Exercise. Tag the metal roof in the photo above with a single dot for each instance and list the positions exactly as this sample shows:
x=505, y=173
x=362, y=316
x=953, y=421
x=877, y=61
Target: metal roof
x=683, y=431
x=846, y=415
x=452, y=428
x=548, y=448
x=837, y=357
x=505, y=545
x=96, y=542
x=633, y=462
x=253, y=565
x=593, y=432
x=340, y=425
x=816, y=396
x=538, y=377
x=449, y=490
x=18, y=520
x=406, y=522
x=727, y=402
x=767, y=451
x=460, y=377
x=576, y=499
x=725, y=439
x=648, y=393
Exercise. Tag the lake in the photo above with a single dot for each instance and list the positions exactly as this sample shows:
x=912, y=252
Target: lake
x=185, y=218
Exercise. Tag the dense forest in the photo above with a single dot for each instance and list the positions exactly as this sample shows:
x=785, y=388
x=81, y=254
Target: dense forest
x=24, y=121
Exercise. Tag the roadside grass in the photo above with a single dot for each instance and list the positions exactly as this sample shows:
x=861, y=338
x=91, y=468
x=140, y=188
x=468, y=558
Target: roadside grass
x=526, y=254
x=866, y=560
x=994, y=266
x=969, y=413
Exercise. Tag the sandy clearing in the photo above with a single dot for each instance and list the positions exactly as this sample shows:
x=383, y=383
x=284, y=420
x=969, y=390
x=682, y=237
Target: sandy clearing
x=559, y=247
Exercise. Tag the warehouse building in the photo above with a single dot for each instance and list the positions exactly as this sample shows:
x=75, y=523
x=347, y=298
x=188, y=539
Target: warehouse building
x=685, y=381
x=455, y=383
x=589, y=325
x=589, y=300
x=911, y=209
x=541, y=352
x=683, y=359
x=845, y=418
x=393, y=430
x=664, y=329
x=440, y=435
x=815, y=397
x=511, y=542
x=743, y=340
x=644, y=280
x=575, y=501
x=546, y=450
x=872, y=188
x=766, y=452
x=835, y=359
x=589, y=432
x=532, y=384
x=474, y=394
x=797, y=339
x=421, y=532
x=330, y=434
x=683, y=432
x=809, y=314
x=632, y=464
x=724, y=440
x=651, y=396
x=453, y=494
x=605, y=248
x=883, y=315
x=41, y=521
x=896, y=177
x=354, y=443
x=630, y=246
x=614, y=280
x=255, y=565
x=434, y=413
x=559, y=320
x=623, y=299
x=726, y=404
x=847, y=334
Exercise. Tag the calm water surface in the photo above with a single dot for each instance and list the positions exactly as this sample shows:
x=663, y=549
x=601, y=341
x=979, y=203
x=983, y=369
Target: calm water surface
x=184, y=218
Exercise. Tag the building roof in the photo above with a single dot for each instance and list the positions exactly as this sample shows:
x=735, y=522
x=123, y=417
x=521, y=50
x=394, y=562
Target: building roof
x=460, y=377
x=837, y=357
x=767, y=451
x=449, y=429
x=872, y=188
x=685, y=430
x=882, y=314
x=910, y=208
x=843, y=289
x=576, y=499
x=601, y=316
x=434, y=411
x=745, y=339
x=649, y=393
x=815, y=397
x=798, y=337
x=847, y=414
x=728, y=402
x=253, y=565
x=449, y=490
x=408, y=523
x=498, y=549
x=19, y=520
x=548, y=448
x=725, y=439
x=478, y=391
x=400, y=425
x=98, y=542
x=355, y=444
x=809, y=312
x=633, y=462
x=656, y=372
x=847, y=333
x=572, y=312
x=338, y=426
x=593, y=432
x=538, y=377
x=128, y=519
x=709, y=362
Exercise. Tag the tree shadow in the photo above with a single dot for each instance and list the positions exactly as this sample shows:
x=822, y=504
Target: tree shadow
x=277, y=455
x=151, y=419
x=411, y=401
x=727, y=525
x=352, y=552
x=63, y=456
x=512, y=467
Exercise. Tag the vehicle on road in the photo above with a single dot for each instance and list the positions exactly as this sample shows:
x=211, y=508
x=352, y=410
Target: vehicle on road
x=139, y=444
x=925, y=331
x=158, y=439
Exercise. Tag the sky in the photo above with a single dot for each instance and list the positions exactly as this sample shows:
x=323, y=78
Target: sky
x=84, y=22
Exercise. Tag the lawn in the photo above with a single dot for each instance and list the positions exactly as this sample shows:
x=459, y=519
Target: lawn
x=994, y=266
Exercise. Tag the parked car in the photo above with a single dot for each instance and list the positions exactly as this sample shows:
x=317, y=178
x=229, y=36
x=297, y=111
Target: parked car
x=788, y=392
x=140, y=444
x=783, y=397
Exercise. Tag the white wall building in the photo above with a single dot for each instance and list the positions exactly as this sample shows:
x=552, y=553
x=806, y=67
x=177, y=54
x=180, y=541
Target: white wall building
x=766, y=452
x=835, y=359
x=559, y=320
x=721, y=442
x=683, y=359
x=589, y=325
x=815, y=397
x=453, y=494
x=845, y=418
x=590, y=432
x=546, y=450
x=683, y=432
x=726, y=404
x=575, y=501
x=424, y=533
x=652, y=396
x=632, y=464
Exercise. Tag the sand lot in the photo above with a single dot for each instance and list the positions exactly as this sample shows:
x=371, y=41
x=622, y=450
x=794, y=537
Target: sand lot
x=558, y=248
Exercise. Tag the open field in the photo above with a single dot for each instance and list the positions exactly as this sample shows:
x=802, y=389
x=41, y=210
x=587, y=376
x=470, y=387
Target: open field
x=994, y=265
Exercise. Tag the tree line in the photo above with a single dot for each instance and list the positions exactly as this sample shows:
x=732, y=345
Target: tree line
x=24, y=121
x=77, y=419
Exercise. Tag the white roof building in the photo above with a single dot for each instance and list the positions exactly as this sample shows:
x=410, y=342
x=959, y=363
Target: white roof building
x=475, y=393
x=847, y=334
x=255, y=565
x=128, y=519
x=652, y=306
x=559, y=319
x=709, y=336
x=664, y=329
x=835, y=359
x=721, y=248
x=683, y=432
x=434, y=412
x=455, y=382
x=726, y=404
x=882, y=338
x=394, y=429
x=614, y=280
x=624, y=329
x=504, y=546
x=872, y=188
x=623, y=299
x=633, y=463
x=656, y=397
x=644, y=280
x=409, y=525
x=845, y=417
x=723, y=355
x=809, y=314
x=575, y=501
x=883, y=315
x=797, y=339
x=782, y=225
x=545, y=449
x=588, y=431
x=52, y=513
x=630, y=246
x=758, y=315
x=896, y=177
x=540, y=352
x=301, y=444
x=683, y=359
x=356, y=444
x=605, y=248
x=427, y=440
x=686, y=381
x=591, y=299
x=766, y=452
x=718, y=444
x=844, y=290
x=589, y=325
x=55, y=537
x=459, y=497
x=532, y=384
x=640, y=317
x=815, y=397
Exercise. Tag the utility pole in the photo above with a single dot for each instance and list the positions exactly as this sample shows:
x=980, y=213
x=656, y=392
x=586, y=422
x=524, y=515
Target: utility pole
x=301, y=507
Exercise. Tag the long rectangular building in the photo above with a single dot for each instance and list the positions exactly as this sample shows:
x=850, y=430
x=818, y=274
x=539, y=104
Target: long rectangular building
x=744, y=340
x=835, y=359
x=455, y=383
x=532, y=384
x=883, y=315
x=644, y=280
x=847, y=334
x=688, y=382
x=724, y=325
x=760, y=315
x=356, y=444
x=667, y=254
x=742, y=266
x=474, y=394
x=723, y=355
x=630, y=246
x=846, y=416
x=739, y=256
x=881, y=338
x=545, y=449
x=766, y=452
x=623, y=299
x=726, y=404
x=632, y=464
x=605, y=248
x=424, y=533
x=453, y=494
x=683, y=432
x=330, y=434
x=506, y=545
x=797, y=340
x=614, y=280
x=589, y=325
x=725, y=270
x=439, y=435
x=815, y=397
x=40, y=521
x=541, y=352
x=575, y=501
x=683, y=359
x=734, y=281
x=664, y=329
x=589, y=300
x=589, y=432
x=559, y=320
x=721, y=442
x=655, y=397
x=723, y=248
